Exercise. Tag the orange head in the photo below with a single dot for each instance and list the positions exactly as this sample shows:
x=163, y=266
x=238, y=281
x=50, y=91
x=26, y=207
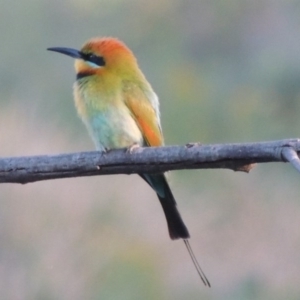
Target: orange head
x=99, y=56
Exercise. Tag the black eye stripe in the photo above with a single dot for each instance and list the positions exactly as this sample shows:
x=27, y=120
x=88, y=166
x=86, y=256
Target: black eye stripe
x=98, y=60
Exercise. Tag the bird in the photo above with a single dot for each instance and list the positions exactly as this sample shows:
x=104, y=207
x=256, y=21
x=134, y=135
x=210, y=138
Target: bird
x=121, y=110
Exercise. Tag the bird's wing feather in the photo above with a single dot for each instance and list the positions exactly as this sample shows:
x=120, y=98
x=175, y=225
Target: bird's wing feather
x=145, y=113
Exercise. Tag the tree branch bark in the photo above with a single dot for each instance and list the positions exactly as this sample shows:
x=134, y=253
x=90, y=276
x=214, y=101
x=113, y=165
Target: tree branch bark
x=237, y=157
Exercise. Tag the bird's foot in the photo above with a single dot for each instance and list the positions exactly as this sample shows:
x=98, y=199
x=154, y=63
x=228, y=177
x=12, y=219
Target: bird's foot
x=132, y=148
x=103, y=151
x=106, y=150
x=191, y=145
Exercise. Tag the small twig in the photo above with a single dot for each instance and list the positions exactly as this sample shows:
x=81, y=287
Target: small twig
x=291, y=156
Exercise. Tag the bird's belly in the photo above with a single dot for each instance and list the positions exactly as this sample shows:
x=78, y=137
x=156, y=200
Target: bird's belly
x=114, y=128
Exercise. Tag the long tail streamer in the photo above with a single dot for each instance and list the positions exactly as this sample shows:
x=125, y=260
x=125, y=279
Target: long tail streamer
x=196, y=264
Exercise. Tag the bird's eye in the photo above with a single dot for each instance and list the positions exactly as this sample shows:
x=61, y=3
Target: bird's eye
x=95, y=59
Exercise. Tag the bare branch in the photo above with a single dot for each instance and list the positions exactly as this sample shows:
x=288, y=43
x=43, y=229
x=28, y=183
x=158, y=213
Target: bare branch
x=237, y=157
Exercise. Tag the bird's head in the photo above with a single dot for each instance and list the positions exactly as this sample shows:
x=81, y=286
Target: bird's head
x=100, y=56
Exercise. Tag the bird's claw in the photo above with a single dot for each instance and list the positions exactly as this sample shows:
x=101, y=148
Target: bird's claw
x=190, y=145
x=103, y=151
x=132, y=148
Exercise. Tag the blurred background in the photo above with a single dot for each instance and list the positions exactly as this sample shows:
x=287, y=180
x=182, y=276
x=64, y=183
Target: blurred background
x=225, y=71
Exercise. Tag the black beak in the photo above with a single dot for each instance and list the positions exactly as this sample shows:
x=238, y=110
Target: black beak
x=67, y=51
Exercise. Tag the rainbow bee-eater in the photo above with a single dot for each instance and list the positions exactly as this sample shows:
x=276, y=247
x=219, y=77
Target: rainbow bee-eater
x=120, y=110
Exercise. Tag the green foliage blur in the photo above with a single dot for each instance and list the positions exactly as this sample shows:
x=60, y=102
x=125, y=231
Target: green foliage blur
x=225, y=71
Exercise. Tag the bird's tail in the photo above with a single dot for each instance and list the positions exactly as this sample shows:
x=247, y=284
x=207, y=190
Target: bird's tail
x=177, y=228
